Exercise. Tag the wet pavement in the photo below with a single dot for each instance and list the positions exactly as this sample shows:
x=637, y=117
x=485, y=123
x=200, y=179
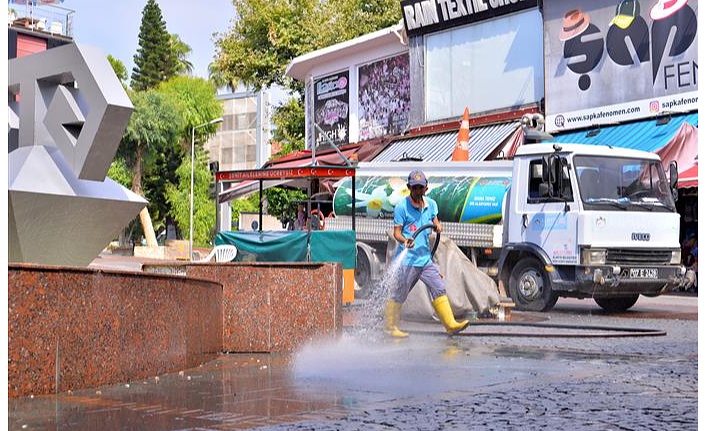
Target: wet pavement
x=575, y=367
x=365, y=381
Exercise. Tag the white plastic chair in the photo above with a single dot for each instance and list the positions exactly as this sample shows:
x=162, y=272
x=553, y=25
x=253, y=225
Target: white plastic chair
x=56, y=28
x=222, y=253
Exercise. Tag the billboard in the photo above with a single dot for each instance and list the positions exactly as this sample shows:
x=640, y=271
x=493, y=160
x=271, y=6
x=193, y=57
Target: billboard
x=609, y=61
x=383, y=97
x=331, y=109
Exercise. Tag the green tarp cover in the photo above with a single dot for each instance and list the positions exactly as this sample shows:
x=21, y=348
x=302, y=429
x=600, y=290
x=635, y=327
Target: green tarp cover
x=291, y=246
x=334, y=246
x=269, y=246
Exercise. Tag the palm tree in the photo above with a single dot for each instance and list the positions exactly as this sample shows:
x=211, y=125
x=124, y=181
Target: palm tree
x=182, y=51
x=219, y=80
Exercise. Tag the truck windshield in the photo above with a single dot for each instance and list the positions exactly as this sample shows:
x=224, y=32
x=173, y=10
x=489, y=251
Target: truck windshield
x=623, y=184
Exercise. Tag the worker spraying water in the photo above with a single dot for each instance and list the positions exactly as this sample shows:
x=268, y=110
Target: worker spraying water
x=412, y=216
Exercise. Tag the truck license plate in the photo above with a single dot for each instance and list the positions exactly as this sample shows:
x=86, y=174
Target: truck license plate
x=643, y=272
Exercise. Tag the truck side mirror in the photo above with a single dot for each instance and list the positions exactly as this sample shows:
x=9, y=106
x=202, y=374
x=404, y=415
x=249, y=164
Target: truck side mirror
x=673, y=174
x=549, y=169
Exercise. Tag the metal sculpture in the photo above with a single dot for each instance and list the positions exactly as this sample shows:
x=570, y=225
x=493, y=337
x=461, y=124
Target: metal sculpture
x=68, y=112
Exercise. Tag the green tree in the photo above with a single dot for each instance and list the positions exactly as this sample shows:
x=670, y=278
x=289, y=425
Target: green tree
x=218, y=80
x=282, y=201
x=289, y=119
x=119, y=69
x=154, y=128
x=248, y=204
x=267, y=35
x=197, y=104
x=120, y=172
x=181, y=50
x=179, y=197
x=155, y=60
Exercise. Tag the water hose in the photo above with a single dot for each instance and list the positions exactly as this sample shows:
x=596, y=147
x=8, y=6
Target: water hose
x=583, y=331
x=438, y=236
x=580, y=331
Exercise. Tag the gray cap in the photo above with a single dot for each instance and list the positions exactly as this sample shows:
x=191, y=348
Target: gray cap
x=417, y=178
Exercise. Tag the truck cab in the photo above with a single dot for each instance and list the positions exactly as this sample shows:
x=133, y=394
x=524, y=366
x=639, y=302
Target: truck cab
x=589, y=221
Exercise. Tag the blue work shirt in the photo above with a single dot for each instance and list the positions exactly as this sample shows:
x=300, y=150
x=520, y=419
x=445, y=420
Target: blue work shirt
x=411, y=219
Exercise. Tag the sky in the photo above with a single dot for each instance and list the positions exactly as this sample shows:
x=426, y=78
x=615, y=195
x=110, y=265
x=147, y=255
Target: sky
x=113, y=26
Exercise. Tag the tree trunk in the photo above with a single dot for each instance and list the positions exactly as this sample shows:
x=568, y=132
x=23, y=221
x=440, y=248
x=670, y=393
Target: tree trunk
x=145, y=219
x=147, y=228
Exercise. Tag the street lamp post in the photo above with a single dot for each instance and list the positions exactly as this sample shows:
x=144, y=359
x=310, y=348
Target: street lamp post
x=191, y=190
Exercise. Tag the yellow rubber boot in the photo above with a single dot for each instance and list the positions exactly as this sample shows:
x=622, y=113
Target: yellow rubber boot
x=392, y=319
x=443, y=310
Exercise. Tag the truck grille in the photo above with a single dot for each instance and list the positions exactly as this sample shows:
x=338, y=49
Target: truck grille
x=638, y=257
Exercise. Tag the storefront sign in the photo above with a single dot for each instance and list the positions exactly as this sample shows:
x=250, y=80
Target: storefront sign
x=286, y=173
x=331, y=109
x=608, y=63
x=426, y=16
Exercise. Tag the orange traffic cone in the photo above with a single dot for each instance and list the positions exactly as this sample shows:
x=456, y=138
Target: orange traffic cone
x=460, y=153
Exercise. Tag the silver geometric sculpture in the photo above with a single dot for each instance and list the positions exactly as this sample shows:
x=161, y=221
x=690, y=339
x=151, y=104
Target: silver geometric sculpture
x=68, y=112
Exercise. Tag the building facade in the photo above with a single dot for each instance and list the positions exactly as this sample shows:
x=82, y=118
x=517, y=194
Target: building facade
x=597, y=72
x=242, y=140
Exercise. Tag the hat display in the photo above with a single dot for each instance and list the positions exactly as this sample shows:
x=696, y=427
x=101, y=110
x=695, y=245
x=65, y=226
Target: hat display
x=417, y=178
x=665, y=8
x=575, y=22
x=625, y=13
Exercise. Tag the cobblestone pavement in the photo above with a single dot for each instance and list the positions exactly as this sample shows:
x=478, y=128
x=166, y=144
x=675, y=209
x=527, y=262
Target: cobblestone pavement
x=632, y=383
x=427, y=382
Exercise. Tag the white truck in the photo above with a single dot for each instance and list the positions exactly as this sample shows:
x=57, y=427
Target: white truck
x=565, y=220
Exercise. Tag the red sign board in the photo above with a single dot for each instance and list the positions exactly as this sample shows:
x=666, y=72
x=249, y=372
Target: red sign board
x=286, y=173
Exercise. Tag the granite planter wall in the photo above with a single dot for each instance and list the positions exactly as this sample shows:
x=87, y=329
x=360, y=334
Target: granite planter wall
x=72, y=328
x=276, y=307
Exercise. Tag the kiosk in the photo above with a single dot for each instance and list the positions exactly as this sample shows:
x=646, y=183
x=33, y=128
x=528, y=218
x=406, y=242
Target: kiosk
x=301, y=245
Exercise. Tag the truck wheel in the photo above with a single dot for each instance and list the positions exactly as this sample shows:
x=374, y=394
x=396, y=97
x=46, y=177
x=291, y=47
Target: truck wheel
x=530, y=288
x=363, y=275
x=616, y=305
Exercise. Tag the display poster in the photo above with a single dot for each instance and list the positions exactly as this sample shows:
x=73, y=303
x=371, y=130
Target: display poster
x=383, y=97
x=609, y=61
x=331, y=109
x=461, y=199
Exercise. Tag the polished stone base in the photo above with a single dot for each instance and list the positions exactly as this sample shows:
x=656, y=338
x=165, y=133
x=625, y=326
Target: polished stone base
x=72, y=328
x=75, y=328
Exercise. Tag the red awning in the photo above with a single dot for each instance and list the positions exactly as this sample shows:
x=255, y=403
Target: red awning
x=689, y=178
x=684, y=149
x=247, y=187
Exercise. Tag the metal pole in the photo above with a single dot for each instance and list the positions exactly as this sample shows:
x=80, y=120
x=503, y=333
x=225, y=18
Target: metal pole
x=353, y=200
x=259, y=219
x=218, y=208
x=330, y=142
x=191, y=199
x=191, y=189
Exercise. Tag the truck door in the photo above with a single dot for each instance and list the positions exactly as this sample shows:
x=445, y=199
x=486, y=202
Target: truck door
x=549, y=210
